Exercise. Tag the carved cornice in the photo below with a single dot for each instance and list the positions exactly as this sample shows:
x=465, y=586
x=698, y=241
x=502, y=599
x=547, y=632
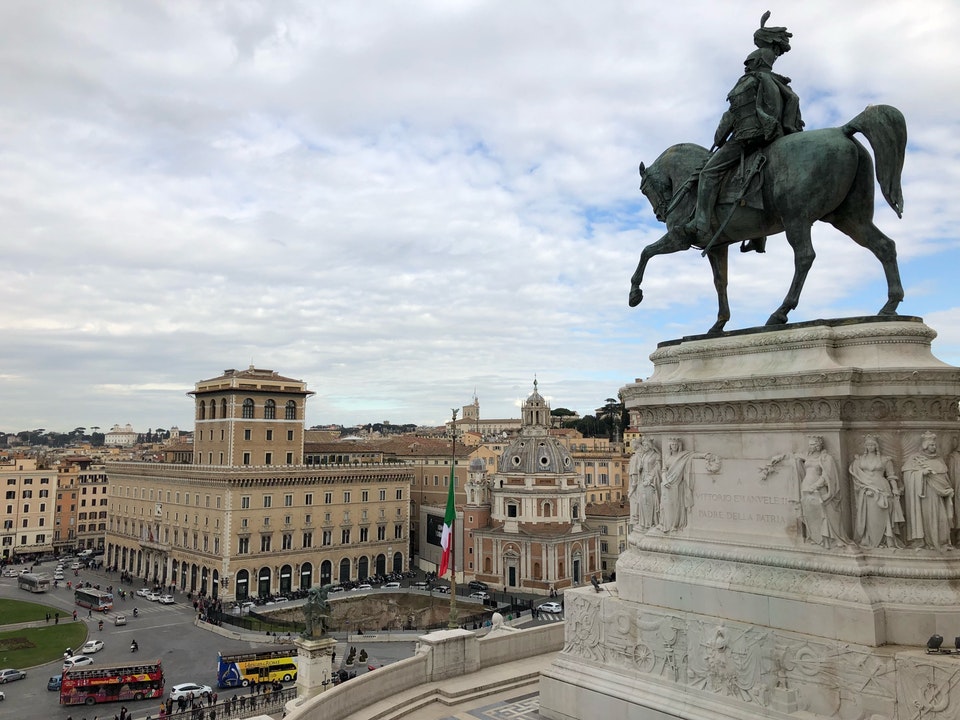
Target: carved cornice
x=799, y=410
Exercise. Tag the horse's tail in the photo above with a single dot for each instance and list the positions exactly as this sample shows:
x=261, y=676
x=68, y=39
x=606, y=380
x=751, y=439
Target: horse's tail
x=886, y=130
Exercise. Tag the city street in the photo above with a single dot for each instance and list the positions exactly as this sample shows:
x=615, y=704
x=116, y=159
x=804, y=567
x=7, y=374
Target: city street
x=164, y=632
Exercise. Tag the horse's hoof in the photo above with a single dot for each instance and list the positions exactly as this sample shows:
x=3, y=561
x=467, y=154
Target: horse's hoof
x=635, y=297
x=717, y=329
x=777, y=319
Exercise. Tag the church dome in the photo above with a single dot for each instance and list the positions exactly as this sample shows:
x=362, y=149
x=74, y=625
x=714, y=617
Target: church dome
x=533, y=455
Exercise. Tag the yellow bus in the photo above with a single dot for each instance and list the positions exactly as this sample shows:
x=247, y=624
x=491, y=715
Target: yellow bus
x=264, y=666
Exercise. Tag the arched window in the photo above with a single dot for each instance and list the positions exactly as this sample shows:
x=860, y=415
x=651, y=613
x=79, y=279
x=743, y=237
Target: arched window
x=344, y=570
x=213, y=409
x=306, y=576
x=290, y=411
x=202, y=411
x=576, y=512
x=242, y=585
x=547, y=509
x=223, y=408
x=326, y=572
x=248, y=409
x=487, y=565
x=270, y=410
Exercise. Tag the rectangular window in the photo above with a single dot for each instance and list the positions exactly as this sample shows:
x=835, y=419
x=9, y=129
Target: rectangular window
x=289, y=458
x=346, y=496
x=381, y=532
x=383, y=495
x=364, y=534
x=264, y=543
x=245, y=502
x=268, y=458
x=365, y=496
x=328, y=537
x=399, y=493
x=308, y=499
x=267, y=501
x=247, y=434
x=397, y=532
x=269, y=435
x=345, y=536
x=288, y=500
x=287, y=541
x=328, y=498
x=246, y=458
x=308, y=539
x=289, y=435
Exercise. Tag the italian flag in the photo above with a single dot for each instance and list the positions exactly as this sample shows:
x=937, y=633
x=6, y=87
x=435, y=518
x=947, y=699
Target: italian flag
x=446, y=538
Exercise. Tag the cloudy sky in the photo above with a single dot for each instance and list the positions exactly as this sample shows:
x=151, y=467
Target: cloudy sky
x=404, y=203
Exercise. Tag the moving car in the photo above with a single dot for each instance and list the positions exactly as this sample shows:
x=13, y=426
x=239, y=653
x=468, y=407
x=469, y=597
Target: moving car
x=392, y=585
x=183, y=690
x=551, y=607
x=9, y=675
x=445, y=589
x=54, y=682
x=77, y=661
x=477, y=585
x=58, y=575
x=91, y=646
x=143, y=592
x=166, y=600
x=421, y=585
x=480, y=595
x=364, y=586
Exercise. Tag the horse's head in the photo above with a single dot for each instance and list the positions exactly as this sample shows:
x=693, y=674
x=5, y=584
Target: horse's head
x=656, y=189
x=670, y=173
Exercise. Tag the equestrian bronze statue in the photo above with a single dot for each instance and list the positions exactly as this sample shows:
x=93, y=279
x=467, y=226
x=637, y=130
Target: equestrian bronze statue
x=769, y=176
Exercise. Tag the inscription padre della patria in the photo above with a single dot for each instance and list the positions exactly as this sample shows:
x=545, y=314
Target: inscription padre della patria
x=910, y=503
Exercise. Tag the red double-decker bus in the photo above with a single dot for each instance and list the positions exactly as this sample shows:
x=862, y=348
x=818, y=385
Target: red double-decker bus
x=91, y=684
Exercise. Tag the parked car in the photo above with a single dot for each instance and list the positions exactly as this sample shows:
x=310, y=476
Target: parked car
x=445, y=589
x=143, y=592
x=480, y=595
x=58, y=575
x=421, y=585
x=77, y=661
x=9, y=675
x=364, y=586
x=75, y=566
x=551, y=607
x=335, y=589
x=54, y=682
x=166, y=600
x=92, y=646
x=11, y=572
x=477, y=585
x=152, y=596
x=392, y=585
x=3, y=695
x=183, y=690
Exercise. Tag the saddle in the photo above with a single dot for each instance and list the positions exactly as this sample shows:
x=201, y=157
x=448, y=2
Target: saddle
x=743, y=186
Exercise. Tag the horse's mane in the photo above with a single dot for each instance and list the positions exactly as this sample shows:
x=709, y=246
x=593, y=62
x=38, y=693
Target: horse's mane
x=683, y=159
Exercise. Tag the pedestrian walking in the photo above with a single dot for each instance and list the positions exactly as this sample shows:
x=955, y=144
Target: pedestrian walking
x=56, y=619
x=243, y=703
x=74, y=615
x=48, y=618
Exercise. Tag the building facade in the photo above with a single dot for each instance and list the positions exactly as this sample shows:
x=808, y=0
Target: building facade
x=249, y=417
x=248, y=518
x=29, y=496
x=80, y=519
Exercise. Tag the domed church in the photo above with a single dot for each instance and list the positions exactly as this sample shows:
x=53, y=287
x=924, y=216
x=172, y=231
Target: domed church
x=524, y=525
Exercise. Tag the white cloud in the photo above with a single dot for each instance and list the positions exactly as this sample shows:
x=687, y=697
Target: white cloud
x=401, y=203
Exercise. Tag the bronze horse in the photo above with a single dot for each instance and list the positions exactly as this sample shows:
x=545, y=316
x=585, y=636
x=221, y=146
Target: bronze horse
x=816, y=175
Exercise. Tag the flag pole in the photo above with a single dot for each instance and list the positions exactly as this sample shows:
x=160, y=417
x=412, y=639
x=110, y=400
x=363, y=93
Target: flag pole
x=453, y=622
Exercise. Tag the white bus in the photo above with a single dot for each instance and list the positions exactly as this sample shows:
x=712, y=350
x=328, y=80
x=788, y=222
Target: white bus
x=34, y=582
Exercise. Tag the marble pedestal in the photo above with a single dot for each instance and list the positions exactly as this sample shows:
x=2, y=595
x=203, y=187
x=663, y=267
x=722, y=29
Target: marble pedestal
x=742, y=603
